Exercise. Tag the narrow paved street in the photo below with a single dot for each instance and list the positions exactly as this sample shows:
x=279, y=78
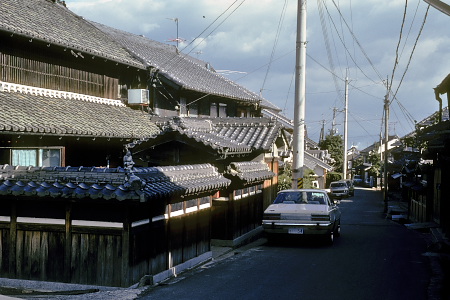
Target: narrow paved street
x=374, y=258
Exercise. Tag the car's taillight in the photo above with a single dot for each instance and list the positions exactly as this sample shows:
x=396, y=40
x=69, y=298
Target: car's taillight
x=271, y=216
x=320, y=218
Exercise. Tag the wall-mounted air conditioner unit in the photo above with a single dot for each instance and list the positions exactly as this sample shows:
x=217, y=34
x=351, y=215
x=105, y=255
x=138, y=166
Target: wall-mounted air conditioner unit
x=138, y=96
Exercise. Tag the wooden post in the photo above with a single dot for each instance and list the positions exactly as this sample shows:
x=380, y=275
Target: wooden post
x=68, y=243
x=126, y=248
x=12, y=241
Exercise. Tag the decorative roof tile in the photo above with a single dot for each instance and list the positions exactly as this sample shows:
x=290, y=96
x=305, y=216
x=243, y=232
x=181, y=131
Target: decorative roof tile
x=251, y=171
x=115, y=183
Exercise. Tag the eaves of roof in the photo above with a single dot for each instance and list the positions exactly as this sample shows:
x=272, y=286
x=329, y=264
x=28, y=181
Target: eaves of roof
x=227, y=136
x=34, y=111
x=185, y=180
x=250, y=172
x=54, y=24
x=311, y=162
x=287, y=123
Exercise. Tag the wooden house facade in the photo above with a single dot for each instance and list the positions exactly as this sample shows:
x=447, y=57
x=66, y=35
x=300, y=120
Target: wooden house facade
x=437, y=138
x=117, y=152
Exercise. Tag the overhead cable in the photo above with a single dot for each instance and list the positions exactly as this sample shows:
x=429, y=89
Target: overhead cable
x=277, y=35
x=359, y=45
x=398, y=45
x=412, y=52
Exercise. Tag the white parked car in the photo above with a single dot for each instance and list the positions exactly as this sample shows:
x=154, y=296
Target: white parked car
x=339, y=189
x=302, y=212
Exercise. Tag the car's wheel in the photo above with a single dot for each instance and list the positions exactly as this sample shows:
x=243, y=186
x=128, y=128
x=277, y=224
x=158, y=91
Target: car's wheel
x=337, y=232
x=329, y=239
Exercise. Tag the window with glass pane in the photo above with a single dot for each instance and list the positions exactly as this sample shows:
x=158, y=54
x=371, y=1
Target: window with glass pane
x=36, y=157
x=24, y=157
x=49, y=157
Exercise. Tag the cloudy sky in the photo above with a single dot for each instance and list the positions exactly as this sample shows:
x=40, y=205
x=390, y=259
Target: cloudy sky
x=252, y=42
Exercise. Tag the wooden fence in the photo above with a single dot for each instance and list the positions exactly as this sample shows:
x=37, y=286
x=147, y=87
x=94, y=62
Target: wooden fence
x=113, y=246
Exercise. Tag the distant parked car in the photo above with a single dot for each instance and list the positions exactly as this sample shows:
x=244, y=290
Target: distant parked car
x=302, y=212
x=357, y=180
x=351, y=187
x=339, y=189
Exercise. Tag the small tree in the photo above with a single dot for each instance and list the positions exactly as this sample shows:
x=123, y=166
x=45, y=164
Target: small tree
x=333, y=176
x=335, y=146
x=285, y=178
x=375, y=159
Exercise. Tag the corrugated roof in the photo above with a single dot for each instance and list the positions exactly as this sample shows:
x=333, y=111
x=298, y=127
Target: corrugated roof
x=53, y=23
x=38, y=111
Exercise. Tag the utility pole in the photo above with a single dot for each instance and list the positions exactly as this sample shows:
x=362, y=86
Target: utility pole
x=177, y=40
x=386, y=139
x=299, y=105
x=333, y=124
x=322, y=132
x=344, y=169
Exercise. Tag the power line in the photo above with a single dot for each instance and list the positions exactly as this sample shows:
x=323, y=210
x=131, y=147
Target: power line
x=398, y=45
x=359, y=45
x=277, y=35
x=320, y=4
x=173, y=63
x=412, y=52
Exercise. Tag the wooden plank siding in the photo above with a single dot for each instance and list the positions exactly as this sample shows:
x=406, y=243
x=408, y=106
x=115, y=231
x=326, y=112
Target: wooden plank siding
x=60, y=251
x=235, y=216
x=27, y=71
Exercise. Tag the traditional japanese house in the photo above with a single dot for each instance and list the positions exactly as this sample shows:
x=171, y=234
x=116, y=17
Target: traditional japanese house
x=99, y=181
x=239, y=148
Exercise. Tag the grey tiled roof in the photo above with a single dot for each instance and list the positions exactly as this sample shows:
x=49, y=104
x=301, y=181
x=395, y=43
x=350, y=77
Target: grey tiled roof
x=287, y=123
x=28, y=113
x=228, y=136
x=311, y=162
x=184, y=70
x=55, y=24
x=182, y=180
x=250, y=172
x=142, y=184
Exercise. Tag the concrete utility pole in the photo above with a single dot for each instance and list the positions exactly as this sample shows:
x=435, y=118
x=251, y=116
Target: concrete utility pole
x=439, y=5
x=386, y=139
x=333, y=124
x=322, y=132
x=344, y=169
x=299, y=105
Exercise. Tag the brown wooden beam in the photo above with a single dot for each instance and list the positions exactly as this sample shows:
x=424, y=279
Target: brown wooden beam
x=12, y=240
x=68, y=243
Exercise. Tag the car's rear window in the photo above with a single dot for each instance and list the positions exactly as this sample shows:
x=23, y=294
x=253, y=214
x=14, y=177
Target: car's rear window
x=338, y=184
x=300, y=197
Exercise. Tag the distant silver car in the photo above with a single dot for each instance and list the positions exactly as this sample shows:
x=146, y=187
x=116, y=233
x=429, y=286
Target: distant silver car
x=302, y=212
x=339, y=189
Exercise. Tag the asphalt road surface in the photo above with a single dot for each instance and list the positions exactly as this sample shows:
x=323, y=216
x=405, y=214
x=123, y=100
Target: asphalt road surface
x=375, y=258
